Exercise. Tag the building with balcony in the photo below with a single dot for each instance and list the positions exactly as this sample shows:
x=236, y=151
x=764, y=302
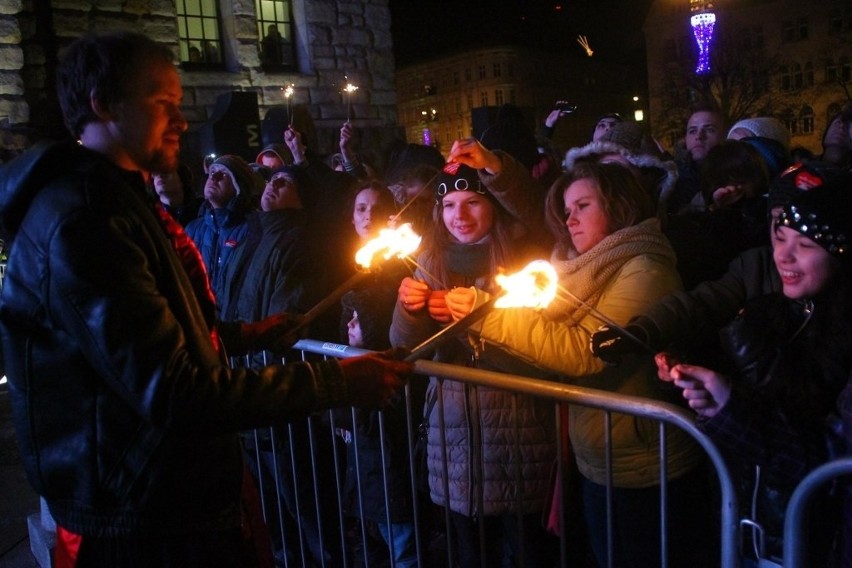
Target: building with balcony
x=782, y=58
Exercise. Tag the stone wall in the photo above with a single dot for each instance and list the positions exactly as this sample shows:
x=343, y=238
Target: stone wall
x=338, y=41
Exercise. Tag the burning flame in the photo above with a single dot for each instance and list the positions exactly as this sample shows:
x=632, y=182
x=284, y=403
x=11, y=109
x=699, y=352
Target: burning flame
x=288, y=91
x=350, y=88
x=398, y=242
x=533, y=287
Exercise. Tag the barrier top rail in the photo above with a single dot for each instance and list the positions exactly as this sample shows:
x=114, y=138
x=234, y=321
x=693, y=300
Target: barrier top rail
x=585, y=396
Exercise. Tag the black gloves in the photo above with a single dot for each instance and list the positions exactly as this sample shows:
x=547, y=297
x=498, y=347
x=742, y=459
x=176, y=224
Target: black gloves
x=611, y=345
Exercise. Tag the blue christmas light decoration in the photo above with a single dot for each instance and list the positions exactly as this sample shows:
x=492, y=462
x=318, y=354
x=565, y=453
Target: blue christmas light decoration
x=702, y=28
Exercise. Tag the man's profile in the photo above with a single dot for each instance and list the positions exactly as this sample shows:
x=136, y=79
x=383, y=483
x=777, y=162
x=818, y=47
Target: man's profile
x=125, y=410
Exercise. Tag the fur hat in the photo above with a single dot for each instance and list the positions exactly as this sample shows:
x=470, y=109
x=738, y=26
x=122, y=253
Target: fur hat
x=246, y=181
x=800, y=178
x=375, y=305
x=765, y=127
x=824, y=215
x=594, y=151
x=458, y=177
x=632, y=137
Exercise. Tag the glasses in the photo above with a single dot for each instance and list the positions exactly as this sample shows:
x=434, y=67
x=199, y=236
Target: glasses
x=217, y=175
x=280, y=182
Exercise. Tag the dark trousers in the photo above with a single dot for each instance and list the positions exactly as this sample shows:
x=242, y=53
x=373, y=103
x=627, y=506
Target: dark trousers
x=636, y=523
x=503, y=541
x=211, y=550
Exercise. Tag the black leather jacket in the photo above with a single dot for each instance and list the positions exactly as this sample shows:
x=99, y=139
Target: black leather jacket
x=125, y=413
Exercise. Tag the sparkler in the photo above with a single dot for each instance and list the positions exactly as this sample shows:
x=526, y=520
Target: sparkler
x=533, y=287
x=349, y=89
x=607, y=320
x=288, y=96
x=398, y=242
x=584, y=43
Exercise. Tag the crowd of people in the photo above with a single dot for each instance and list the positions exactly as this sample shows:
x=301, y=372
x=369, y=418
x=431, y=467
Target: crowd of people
x=145, y=316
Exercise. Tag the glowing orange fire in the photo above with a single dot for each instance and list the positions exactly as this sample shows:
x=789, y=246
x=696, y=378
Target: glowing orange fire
x=398, y=242
x=533, y=287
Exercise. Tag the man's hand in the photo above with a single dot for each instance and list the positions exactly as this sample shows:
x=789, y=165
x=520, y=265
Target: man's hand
x=413, y=294
x=274, y=333
x=374, y=379
x=611, y=346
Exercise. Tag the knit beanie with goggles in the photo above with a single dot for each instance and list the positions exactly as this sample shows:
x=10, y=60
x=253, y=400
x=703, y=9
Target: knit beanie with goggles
x=824, y=215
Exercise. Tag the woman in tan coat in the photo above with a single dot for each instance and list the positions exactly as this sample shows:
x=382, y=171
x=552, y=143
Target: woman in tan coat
x=611, y=254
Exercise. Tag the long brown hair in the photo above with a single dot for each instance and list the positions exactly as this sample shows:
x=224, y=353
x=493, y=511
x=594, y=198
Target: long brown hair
x=437, y=240
x=624, y=201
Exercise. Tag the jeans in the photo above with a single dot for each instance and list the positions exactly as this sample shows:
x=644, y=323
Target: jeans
x=404, y=545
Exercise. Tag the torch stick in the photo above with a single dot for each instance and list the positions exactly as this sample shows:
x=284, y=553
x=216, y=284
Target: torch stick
x=332, y=299
x=607, y=320
x=459, y=325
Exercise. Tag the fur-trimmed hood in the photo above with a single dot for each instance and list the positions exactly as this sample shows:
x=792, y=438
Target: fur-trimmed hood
x=595, y=150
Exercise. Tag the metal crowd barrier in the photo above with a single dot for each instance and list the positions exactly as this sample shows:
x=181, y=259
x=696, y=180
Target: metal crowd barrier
x=324, y=478
x=795, y=519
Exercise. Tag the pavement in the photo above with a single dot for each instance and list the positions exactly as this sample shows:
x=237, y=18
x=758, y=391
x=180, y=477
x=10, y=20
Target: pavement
x=17, y=498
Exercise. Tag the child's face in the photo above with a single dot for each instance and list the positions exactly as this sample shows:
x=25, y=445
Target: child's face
x=467, y=215
x=356, y=338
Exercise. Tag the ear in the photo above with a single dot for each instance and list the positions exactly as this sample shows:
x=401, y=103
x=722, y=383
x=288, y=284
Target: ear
x=100, y=108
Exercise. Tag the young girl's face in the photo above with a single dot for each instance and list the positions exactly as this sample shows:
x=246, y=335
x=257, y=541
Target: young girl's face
x=356, y=338
x=369, y=215
x=467, y=215
x=585, y=217
x=804, y=266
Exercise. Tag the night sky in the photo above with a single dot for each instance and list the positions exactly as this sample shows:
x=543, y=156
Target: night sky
x=428, y=28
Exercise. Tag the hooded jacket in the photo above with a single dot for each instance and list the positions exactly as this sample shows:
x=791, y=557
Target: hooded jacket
x=125, y=413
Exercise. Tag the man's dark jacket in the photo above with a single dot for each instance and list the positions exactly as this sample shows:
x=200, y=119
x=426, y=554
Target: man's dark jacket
x=125, y=413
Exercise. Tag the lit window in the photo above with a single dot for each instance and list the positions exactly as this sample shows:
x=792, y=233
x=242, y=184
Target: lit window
x=198, y=32
x=275, y=30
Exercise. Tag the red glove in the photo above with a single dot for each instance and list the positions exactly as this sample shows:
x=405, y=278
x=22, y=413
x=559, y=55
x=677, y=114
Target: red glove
x=274, y=333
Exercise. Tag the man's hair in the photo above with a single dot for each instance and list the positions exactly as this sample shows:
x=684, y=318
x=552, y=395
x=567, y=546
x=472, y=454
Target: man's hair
x=100, y=66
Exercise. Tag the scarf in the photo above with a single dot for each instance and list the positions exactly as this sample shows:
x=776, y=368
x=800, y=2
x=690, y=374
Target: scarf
x=192, y=262
x=585, y=275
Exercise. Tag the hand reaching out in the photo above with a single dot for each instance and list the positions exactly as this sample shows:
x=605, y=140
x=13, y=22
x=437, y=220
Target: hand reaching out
x=705, y=390
x=374, y=379
x=274, y=333
x=470, y=152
